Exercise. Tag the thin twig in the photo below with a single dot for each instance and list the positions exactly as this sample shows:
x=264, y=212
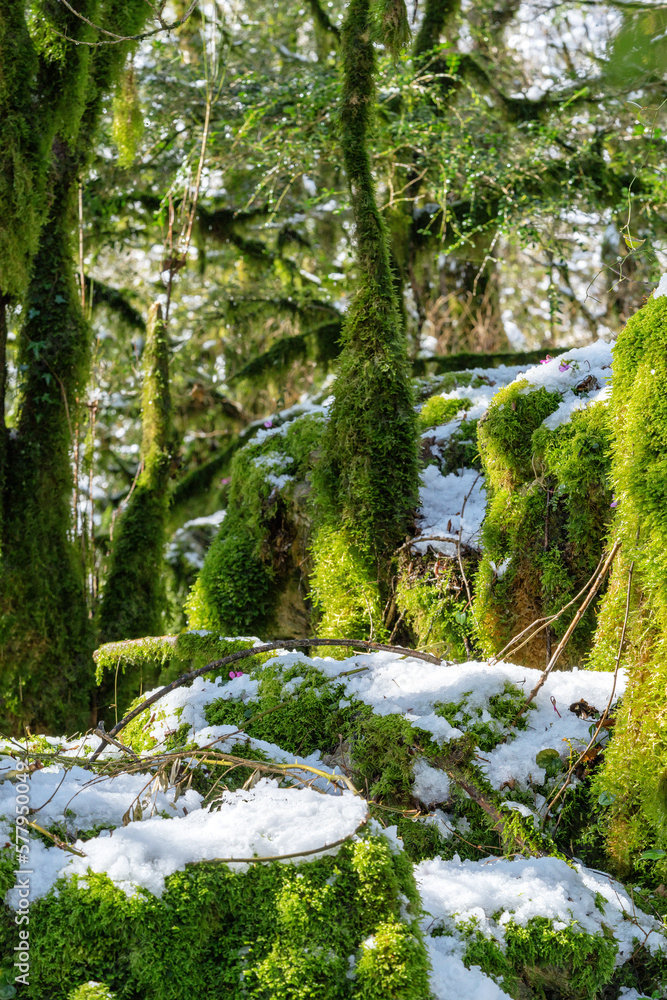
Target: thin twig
x=603, y=718
x=282, y=857
x=543, y=622
x=575, y=621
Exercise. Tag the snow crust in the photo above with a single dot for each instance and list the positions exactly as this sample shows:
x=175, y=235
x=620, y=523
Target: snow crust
x=442, y=512
x=495, y=891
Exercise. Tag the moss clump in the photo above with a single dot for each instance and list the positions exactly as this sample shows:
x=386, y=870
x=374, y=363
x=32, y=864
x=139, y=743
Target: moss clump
x=503, y=708
x=346, y=589
x=92, y=991
x=547, y=515
x=128, y=118
x=310, y=719
x=275, y=931
x=633, y=774
x=430, y=596
x=239, y=584
x=539, y=961
x=368, y=477
x=439, y=410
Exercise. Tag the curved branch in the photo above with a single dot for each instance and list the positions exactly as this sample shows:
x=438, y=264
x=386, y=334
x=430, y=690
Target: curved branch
x=115, y=39
x=243, y=654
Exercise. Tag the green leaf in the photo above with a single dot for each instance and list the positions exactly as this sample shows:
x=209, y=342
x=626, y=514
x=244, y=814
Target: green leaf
x=550, y=760
x=654, y=854
x=606, y=799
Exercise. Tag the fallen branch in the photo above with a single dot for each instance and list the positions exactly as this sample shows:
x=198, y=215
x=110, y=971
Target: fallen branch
x=575, y=621
x=243, y=654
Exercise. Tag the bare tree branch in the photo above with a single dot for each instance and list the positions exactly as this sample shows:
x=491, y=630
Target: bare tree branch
x=115, y=39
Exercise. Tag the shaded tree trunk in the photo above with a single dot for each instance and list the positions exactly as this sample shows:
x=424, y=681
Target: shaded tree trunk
x=367, y=479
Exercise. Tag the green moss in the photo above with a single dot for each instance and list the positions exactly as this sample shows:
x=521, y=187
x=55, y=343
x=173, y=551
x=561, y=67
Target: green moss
x=51, y=95
x=392, y=964
x=92, y=991
x=434, y=609
x=161, y=659
x=547, y=516
x=503, y=708
x=238, y=586
x=310, y=720
x=128, y=118
x=275, y=931
x=547, y=962
x=438, y=410
x=45, y=631
x=368, y=477
x=346, y=589
x=636, y=759
x=133, y=598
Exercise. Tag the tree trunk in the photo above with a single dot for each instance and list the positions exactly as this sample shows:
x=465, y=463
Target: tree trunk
x=367, y=479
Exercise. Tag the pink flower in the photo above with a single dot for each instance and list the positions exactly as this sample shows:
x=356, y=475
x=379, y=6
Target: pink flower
x=239, y=673
x=546, y=360
x=232, y=674
x=224, y=482
x=268, y=423
x=563, y=366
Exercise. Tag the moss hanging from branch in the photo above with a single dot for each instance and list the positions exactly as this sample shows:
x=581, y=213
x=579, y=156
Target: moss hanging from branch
x=367, y=479
x=51, y=94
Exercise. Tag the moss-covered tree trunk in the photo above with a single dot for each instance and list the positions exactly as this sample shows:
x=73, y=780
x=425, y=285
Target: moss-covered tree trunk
x=51, y=92
x=134, y=601
x=634, y=775
x=367, y=478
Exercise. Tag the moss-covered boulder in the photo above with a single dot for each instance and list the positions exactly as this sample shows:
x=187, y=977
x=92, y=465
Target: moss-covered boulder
x=633, y=778
x=254, y=575
x=544, y=445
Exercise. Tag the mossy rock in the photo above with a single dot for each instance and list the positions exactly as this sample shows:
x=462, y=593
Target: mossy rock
x=633, y=776
x=547, y=517
x=274, y=932
x=253, y=577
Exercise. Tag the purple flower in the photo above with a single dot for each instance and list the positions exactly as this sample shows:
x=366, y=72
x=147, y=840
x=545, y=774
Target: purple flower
x=268, y=423
x=239, y=673
x=563, y=366
x=614, y=501
x=546, y=360
x=232, y=674
x=224, y=482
